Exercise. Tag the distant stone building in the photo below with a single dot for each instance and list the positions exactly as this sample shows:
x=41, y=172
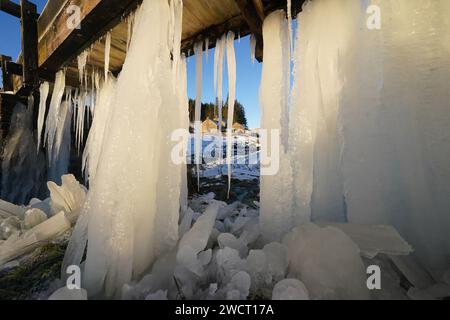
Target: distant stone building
x=209, y=126
x=238, y=128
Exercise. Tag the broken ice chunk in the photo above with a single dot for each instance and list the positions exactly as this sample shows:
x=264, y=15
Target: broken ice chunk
x=33, y=217
x=68, y=197
x=230, y=241
x=327, y=261
x=8, y=227
x=66, y=294
x=159, y=295
x=42, y=205
x=239, y=286
x=290, y=289
x=277, y=260
x=198, y=236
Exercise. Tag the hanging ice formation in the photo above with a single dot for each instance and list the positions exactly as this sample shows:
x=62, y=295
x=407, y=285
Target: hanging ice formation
x=107, y=53
x=23, y=169
x=132, y=208
x=231, y=62
x=252, y=47
x=100, y=122
x=276, y=216
x=198, y=51
x=369, y=123
x=57, y=131
x=206, y=49
x=80, y=119
x=43, y=95
x=82, y=61
x=219, y=55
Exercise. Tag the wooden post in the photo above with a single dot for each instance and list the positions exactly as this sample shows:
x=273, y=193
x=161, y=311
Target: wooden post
x=7, y=77
x=29, y=46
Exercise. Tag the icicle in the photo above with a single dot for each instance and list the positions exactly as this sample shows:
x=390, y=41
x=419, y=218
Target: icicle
x=128, y=228
x=176, y=29
x=52, y=117
x=252, y=47
x=276, y=216
x=95, y=139
x=43, y=93
x=198, y=50
x=239, y=37
x=221, y=56
x=130, y=21
x=82, y=60
x=81, y=112
x=107, y=53
x=231, y=61
x=206, y=49
x=184, y=112
x=289, y=15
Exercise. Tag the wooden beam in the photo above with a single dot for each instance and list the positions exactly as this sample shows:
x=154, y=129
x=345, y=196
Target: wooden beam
x=259, y=9
x=29, y=44
x=235, y=24
x=255, y=24
x=7, y=77
x=10, y=8
x=61, y=44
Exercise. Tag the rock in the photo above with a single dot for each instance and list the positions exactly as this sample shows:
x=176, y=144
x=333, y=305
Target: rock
x=290, y=289
x=33, y=217
x=66, y=294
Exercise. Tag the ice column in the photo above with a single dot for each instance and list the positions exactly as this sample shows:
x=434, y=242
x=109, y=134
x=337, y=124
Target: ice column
x=133, y=202
x=231, y=62
x=276, y=215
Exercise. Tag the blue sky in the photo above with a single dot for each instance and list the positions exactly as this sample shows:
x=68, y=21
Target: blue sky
x=248, y=74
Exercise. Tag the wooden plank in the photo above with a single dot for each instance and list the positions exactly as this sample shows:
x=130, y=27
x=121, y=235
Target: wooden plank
x=259, y=9
x=61, y=44
x=29, y=44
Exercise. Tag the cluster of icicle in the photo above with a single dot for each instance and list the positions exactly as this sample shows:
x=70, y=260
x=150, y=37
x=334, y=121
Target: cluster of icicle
x=224, y=48
x=367, y=139
x=132, y=208
x=73, y=106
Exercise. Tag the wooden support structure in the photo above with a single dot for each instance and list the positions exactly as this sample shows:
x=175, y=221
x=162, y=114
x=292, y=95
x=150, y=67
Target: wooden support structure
x=7, y=76
x=29, y=47
x=254, y=22
x=10, y=8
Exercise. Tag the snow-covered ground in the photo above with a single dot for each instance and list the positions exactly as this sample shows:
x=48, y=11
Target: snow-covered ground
x=245, y=160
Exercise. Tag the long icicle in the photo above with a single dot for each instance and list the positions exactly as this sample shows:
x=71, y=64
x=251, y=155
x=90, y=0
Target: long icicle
x=43, y=93
x=231, y=61
x=52, y=117
x=221, y=57
x=107, y=53
x=198, y=50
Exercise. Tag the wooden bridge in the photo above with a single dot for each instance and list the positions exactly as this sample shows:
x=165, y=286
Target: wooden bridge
x=48, y=44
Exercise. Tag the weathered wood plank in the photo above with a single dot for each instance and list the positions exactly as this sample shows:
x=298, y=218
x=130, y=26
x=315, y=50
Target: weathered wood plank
x=7, y=77
x=10, y=8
